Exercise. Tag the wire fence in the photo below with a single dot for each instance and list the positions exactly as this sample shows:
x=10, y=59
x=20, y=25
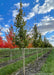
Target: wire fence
x=22, y=58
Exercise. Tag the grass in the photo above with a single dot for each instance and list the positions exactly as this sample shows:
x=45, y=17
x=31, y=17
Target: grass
x=48, y=67
x=9, y=69
x=16, y=53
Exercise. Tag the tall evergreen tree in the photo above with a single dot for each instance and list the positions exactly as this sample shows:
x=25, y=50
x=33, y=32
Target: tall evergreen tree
x=21, y=39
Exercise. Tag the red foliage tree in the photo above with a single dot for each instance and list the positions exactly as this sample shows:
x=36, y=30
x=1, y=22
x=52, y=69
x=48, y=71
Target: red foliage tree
x=1, y=42
x=10, y=39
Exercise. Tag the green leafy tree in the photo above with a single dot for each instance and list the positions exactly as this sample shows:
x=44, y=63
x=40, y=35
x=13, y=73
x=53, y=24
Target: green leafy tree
x=47, y=43
x=39, y=41
x=20, y=37
x=35, y=36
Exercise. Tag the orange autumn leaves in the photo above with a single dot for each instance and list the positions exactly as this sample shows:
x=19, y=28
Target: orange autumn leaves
x=10, y=40
x=9, y=43
x=30, y=45
x=1, y=42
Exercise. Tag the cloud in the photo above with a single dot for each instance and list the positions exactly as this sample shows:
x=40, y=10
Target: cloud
x=1, y=18
x=1, y=33
x=6, y=25
x=47, y=20
x=5, y=29
x=9, y=20
x=51, y=39
x=3, y=37
x=37, y=9
x=29, y=16
x=45, y=8
x=15, y=12
x=46, y=25
x=23, y=4
x=37, y=0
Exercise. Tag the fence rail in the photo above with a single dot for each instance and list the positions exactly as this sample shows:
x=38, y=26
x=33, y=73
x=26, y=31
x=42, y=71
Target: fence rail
x=27, y=55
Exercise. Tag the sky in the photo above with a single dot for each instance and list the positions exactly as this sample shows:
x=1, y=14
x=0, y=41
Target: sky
x=39, y=12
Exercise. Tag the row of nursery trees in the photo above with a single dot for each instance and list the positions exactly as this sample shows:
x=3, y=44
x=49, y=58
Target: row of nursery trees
x=20, y=38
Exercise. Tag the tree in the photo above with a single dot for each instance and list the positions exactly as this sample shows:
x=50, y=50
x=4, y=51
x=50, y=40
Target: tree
x=47, y=43
x=20, y=37
x=10, y=43
x=39, y=41
x=1, y=41
x=35, y=36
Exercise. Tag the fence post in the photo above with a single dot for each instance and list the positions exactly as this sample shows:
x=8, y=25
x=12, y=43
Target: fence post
x=42, y=52
x=23, y=60
x=46, y=50
x=28, y=51
x=11, y=55
x=37, y=54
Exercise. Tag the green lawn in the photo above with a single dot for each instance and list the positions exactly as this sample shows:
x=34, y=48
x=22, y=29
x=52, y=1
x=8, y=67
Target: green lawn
x=48, y=67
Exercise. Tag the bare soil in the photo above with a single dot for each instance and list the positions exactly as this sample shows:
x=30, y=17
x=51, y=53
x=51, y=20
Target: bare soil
x=35, y=67
x=15, y=60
